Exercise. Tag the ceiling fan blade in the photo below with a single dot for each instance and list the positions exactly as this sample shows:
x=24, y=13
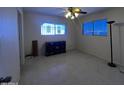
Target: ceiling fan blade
x=62, y=11
x=82, y=12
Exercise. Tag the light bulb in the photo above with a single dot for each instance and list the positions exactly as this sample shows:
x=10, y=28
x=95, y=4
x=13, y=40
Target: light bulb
x=69, y=13
x=72, y=17
x=66, y=15
x=76, y=14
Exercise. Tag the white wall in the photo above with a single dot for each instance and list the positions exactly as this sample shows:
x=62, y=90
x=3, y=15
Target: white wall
x=100, y=46
x=9, y=44
x=21, y=33
x=32, y=31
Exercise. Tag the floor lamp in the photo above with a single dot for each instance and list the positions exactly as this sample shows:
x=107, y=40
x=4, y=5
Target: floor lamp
x=111, y=64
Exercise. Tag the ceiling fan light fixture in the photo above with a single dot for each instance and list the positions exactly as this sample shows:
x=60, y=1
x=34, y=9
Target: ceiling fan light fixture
x=73, y=13
x=77, y=10
x=72, y=17
x=68, y=14
x=76, y=14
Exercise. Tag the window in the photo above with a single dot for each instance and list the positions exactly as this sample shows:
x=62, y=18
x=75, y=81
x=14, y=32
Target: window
x=100, y=27
x=52, y=29
x=60, y=29
x=47, y=29
x=97, y=27
x=88, y=28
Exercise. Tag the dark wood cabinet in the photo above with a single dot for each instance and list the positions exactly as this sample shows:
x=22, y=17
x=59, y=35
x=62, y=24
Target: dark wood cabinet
x=52, y=48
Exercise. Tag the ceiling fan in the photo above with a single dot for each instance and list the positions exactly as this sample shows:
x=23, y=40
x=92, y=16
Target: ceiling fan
x=73, y=12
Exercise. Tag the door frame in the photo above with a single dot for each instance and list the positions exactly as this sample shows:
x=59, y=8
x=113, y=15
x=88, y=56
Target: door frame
x=21, y=35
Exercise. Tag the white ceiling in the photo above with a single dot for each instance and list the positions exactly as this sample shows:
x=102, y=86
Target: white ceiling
x=60, y=11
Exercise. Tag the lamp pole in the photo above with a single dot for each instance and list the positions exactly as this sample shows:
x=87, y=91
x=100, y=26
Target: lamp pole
x=111, y=64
